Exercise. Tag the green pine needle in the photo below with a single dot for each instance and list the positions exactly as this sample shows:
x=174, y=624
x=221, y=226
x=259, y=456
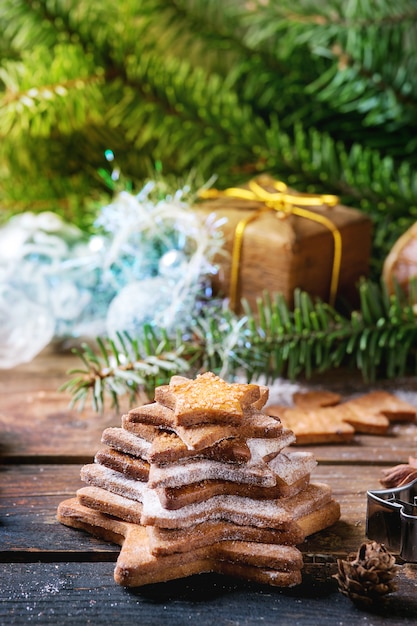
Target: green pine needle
x=379, y=340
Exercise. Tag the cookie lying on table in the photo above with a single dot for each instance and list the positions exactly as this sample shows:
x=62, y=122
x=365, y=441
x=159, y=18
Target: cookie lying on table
x=321, y=417
x=202, y=480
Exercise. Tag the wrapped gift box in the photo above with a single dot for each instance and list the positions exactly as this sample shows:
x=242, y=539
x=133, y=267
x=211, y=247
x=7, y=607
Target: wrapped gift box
x=282, y=246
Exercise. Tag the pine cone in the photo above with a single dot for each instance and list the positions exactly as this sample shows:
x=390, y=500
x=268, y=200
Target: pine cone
x=400, y=475
x=369, y=576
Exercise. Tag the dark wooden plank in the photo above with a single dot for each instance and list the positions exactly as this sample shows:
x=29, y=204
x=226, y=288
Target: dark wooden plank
x=74, y=593
x=53, y=574
x=85, y=593
x=30, y=495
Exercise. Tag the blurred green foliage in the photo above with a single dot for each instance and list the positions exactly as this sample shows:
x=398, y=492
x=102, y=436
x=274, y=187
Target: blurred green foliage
x=321, y=95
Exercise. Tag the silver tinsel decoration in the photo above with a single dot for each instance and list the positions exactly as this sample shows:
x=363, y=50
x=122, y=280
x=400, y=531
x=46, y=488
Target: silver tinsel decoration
x=147, y=262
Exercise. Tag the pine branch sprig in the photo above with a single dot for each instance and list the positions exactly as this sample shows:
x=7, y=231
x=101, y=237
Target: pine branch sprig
x=321, y=98
x=276, y=341
x=378, y=339
x=124, y=367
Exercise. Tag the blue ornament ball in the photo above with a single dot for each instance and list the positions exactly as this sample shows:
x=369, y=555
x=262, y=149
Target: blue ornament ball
x=141, y=302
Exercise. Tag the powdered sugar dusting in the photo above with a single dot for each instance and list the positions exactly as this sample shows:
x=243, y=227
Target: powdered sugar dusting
x=291, y=466
x=196, y=470
x=125, y=441
x=267, y=448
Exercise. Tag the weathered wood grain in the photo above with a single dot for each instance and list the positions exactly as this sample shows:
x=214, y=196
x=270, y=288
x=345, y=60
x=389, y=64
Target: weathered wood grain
x=40, y=424
x=77, y=594
x=53, y=574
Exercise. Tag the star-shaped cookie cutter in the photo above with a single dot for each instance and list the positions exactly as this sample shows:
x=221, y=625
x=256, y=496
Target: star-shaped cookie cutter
x=392, y=519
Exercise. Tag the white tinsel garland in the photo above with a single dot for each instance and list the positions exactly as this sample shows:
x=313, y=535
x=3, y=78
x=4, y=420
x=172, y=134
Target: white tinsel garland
x=147, y=262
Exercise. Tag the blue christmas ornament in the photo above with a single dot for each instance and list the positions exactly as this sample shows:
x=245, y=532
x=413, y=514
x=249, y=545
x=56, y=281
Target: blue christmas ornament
x=172, y=264
x=142, y=302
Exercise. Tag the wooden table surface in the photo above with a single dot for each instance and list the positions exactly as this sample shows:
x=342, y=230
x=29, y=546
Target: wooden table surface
x=51, y=574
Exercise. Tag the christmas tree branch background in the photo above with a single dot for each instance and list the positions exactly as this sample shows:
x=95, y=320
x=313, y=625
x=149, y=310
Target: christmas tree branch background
x=321, y=95
x=379, y=340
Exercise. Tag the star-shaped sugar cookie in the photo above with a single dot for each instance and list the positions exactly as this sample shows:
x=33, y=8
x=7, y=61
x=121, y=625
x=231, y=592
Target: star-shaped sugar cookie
x=273, y=564
x=320, y=416
x=206, y=399
x=202, y=480
x=318, y=425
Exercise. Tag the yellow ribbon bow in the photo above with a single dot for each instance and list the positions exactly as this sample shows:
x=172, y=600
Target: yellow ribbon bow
x=287, y=203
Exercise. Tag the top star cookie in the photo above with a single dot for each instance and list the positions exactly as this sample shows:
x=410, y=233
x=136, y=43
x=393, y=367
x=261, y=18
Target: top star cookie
x=206, y=400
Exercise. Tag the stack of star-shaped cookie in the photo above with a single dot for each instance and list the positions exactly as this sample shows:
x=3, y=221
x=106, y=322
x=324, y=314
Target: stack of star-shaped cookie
x=202, y=480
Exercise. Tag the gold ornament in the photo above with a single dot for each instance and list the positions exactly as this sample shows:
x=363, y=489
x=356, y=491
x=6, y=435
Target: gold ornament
x=401, y=263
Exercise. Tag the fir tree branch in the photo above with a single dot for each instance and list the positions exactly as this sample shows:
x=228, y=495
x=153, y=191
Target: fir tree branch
x=379, y=340
x=321, y=95
x=127, y=367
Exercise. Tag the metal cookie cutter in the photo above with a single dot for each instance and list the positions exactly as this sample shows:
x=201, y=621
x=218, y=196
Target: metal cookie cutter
x=392, y=519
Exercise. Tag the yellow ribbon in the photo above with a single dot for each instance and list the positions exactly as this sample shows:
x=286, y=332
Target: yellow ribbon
x=287, y=203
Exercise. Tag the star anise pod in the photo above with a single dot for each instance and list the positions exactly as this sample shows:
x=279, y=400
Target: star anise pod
x=368, y=575
x=400, y=475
